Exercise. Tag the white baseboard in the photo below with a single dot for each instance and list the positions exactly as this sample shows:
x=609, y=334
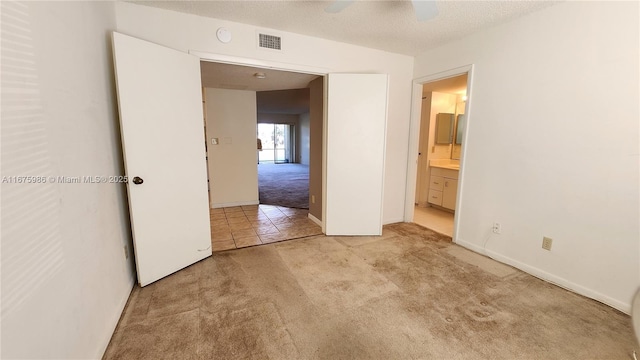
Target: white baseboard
x=238, y=203
x=556, y=280
x=315, y=220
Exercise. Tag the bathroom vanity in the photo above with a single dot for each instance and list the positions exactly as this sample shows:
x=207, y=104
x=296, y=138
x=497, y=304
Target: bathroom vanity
x=443, y=184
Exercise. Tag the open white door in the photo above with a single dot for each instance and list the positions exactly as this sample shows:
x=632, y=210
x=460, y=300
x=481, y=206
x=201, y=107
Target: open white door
x=160, y=101
x=356, y=134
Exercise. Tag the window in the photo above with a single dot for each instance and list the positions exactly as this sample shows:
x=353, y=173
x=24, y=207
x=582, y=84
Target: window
x=277, y=143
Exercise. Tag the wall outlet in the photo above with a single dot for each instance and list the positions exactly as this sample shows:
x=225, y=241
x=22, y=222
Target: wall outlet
x=546, y=243
x=126, y=252
x=313, y=199
x=497, y=228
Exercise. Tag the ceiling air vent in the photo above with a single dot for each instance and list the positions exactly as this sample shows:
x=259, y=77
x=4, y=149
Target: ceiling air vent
x=269, y=42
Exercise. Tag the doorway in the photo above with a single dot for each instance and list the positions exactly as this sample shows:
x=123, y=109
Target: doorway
x=359, y=98
x=438, y=136
x=252, y=126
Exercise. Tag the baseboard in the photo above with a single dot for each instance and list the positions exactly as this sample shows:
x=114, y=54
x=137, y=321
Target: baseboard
x=238, y=203
x=116, y=319
x=315, y=220
x=541, y=274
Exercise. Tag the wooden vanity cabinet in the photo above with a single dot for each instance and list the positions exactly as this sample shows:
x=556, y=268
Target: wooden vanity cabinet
x=443, y=187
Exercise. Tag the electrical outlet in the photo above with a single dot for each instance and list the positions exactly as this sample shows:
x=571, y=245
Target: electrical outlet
x=497, y=228
x=546, y=243
x=126, y=251
x=313, y=199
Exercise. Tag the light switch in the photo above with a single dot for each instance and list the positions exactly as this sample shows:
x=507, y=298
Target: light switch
x=214, y=141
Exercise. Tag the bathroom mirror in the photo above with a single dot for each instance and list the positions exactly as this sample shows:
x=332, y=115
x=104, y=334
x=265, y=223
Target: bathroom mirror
x=460, y=129
x=444, y=128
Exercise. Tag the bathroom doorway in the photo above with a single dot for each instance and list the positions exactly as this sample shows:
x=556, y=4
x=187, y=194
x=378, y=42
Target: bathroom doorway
x=439, y=137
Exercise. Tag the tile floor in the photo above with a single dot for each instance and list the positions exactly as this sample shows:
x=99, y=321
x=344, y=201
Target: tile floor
x=435, y=219
x=242, y=226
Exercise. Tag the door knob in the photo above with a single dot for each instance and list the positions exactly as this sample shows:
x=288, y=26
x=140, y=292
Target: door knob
x=137, y=180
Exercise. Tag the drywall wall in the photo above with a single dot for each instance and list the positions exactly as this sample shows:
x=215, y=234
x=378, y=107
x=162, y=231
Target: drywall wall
x=552, y=145
x=292, y=101
x=233, y=172
x=190, y=32
x=65, y=279
x=316, y=129
x=303, y=139
x=271, y=118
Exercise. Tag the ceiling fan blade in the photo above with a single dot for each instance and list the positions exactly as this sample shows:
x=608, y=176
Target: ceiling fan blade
x=425, y=9
x=338, y=6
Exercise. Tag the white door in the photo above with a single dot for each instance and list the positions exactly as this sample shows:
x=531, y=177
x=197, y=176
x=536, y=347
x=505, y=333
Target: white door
x=160, y=100
x=356, y=129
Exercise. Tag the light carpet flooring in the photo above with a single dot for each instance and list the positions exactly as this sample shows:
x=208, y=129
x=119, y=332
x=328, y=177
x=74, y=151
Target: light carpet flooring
x=410, y=294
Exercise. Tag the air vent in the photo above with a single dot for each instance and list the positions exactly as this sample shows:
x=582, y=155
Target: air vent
x=269, y=42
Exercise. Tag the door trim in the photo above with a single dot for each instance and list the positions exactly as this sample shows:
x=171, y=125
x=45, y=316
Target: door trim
x=414, y=133
x=265, y=64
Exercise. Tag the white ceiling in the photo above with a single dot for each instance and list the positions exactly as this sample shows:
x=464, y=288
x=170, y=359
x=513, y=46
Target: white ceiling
x=385, y=25
x=226, y=76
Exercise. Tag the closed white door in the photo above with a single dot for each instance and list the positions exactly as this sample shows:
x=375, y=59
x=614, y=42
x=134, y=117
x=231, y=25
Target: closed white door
x=159, y=96
x=356, y=135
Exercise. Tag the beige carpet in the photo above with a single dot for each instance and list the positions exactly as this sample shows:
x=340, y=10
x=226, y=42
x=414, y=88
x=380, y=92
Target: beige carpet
x=409, y=294
x=284, y=185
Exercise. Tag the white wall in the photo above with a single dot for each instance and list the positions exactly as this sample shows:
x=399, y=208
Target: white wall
x=304, y=138
x=189, y=32
x=65, y=279
x=552, y=144
x=233, y=163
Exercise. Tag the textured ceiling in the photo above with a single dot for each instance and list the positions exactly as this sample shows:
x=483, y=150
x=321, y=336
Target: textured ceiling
x=226, y=76
x=280, y=92
x=385, y=25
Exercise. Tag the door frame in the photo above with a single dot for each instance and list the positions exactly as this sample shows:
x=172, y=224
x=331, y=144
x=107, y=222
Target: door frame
x=414, y=138
x=268, y=64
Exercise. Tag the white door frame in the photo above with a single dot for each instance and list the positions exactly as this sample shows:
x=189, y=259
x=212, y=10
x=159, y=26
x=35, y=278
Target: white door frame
x=414, y=140
x=267, y=64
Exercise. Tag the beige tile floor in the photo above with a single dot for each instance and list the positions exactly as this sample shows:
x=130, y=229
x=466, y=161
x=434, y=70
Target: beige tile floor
x=435, y=219
x=242, y=226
